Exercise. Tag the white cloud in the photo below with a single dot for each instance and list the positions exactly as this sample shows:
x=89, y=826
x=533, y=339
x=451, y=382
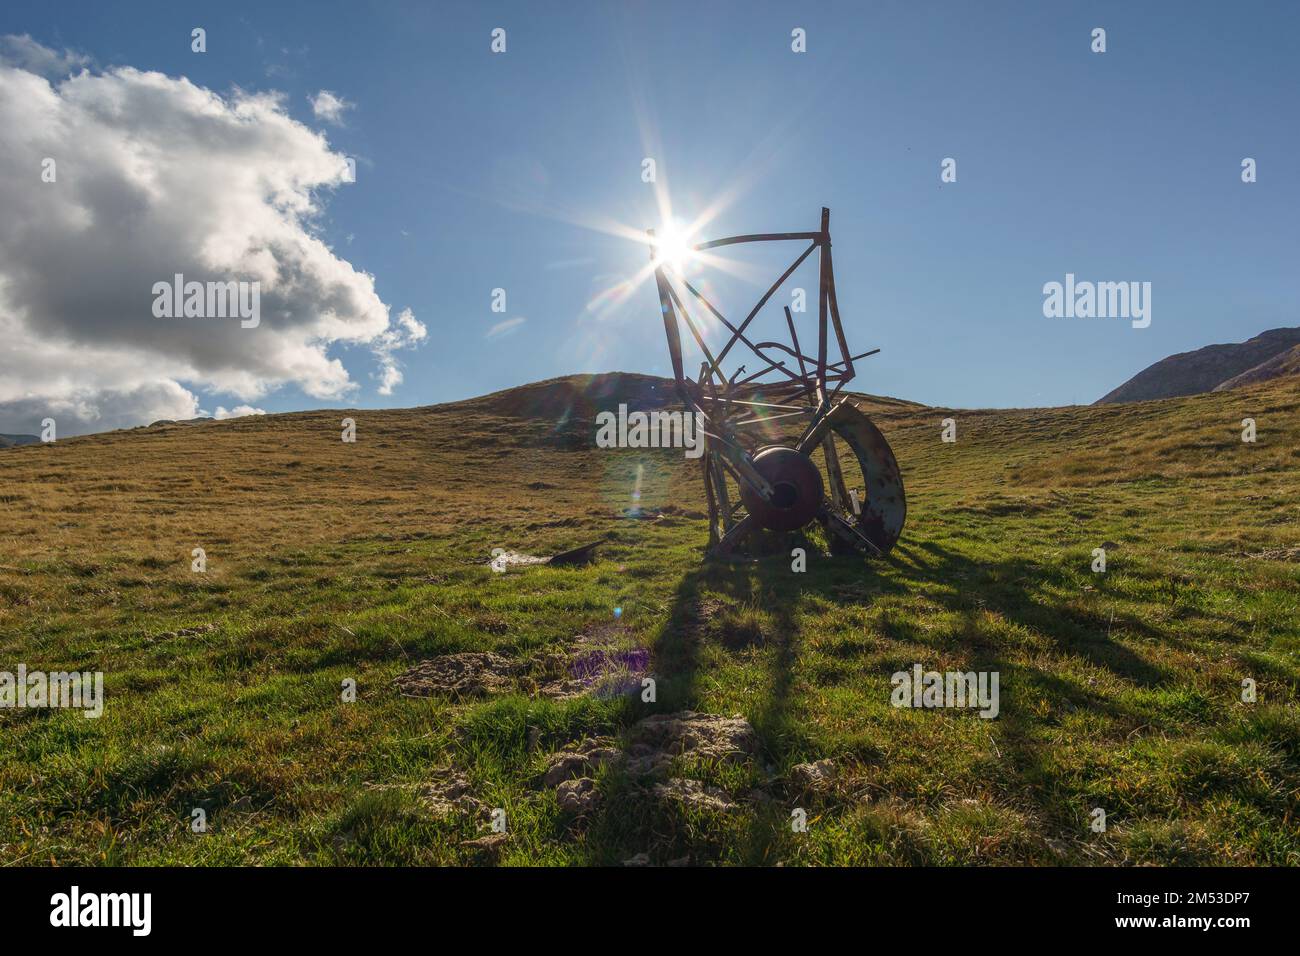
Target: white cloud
x=505, y=328
x=157, y=176
x=407, y=333
x=239, y=411
x=26, y=54
x=328, y=107
x=76, y=410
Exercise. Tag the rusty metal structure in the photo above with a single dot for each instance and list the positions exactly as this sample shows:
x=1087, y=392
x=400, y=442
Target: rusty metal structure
x=783, y=487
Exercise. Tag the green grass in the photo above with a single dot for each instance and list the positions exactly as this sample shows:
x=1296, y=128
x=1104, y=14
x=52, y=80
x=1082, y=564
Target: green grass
x=330, y=562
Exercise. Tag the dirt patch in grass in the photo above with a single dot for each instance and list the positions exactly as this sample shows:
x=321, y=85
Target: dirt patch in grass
x=692, y=793
x=602, y=662
x=659, y=738
x=447, y=792
x=471, y=674
x=652, y=746
x=583, y=759
x=1276, y=554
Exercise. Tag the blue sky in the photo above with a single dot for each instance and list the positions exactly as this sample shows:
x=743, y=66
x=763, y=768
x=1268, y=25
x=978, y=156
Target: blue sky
x=478, y=171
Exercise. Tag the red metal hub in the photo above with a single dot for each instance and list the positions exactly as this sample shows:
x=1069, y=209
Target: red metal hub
x=797, y=489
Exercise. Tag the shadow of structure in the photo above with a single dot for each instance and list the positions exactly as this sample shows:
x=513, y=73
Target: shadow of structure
x=1017, y=589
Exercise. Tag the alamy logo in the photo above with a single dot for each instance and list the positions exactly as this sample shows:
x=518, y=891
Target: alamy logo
x=651, y=430
x=965, y=689
x=208, y=300
x=103, y=909
x=80, y=691
x=1100, y=300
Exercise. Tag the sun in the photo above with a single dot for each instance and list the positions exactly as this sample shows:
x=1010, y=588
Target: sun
x=673, y=247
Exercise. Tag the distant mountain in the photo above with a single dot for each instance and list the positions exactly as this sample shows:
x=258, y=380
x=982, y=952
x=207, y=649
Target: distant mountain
x=1213, y=368
x=1284, y=363
x=8, y=441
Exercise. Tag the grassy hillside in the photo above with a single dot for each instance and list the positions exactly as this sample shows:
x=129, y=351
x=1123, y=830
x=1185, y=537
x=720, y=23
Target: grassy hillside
x=330, y=561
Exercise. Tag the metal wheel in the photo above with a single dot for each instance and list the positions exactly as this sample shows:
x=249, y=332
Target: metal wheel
x=866, y=506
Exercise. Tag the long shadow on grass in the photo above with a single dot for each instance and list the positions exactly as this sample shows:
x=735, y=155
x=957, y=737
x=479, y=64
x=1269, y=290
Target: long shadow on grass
x=739, y=607
x=709, y=614
x=1018, y=590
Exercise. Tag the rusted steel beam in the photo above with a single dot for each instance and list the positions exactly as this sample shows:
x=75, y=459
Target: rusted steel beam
x=767, y=295
x=759, y=237
x=822, y=295
x=759, y=374
x=839, y=492
x=794, y=339
x=845, y=357
x=794, y=408
x=771, y=418
x=690, y=324
x=791, y=352
x=734, y=331
x=860, y=355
